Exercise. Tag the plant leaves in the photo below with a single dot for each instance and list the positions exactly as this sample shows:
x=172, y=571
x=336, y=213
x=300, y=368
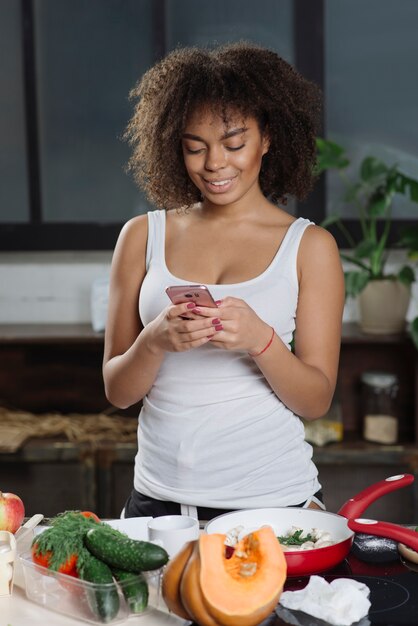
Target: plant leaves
x=379, y=203
x=331, y=219
x=406, y=275
x=365, y=249
x=404, y=183
x=352, y=192
x=414, y=331
x=371, y=167
x=355, y=282
x=329, y=156
x=413, y=189
x=409, y=238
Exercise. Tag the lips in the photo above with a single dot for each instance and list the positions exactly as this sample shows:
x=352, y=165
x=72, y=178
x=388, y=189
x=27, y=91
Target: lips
x=220, y=185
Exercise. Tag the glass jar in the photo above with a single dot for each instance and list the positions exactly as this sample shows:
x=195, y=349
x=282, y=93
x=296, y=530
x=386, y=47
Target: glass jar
x=379, y=407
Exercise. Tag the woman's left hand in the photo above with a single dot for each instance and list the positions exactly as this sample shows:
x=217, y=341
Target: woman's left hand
x=242, y=329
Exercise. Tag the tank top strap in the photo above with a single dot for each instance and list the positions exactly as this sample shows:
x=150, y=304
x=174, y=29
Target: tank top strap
x=156, y=236
x=290, y=247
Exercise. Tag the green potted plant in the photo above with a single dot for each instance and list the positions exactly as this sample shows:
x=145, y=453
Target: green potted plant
x=383, y=296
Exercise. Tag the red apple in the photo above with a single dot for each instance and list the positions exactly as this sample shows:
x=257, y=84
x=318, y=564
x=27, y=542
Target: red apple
x=12, y=512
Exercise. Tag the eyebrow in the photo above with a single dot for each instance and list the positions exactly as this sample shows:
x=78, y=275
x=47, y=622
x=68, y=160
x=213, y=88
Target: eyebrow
x=227, y=135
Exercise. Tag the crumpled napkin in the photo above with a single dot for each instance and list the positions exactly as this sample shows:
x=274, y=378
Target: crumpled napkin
x=340, y=602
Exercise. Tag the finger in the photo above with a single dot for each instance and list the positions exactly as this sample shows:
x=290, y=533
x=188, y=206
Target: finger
x=207, y=321
x=200, y=323
x=197, y=335
x=230, y=301
x=195, y=344
x=191, y=315
x=180, y=309
x=205, y=311
x=216, y=343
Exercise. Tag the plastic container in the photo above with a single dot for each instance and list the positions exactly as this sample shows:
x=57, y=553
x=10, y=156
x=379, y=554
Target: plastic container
x=7, y=562
x=379, y=406
x=80, y=599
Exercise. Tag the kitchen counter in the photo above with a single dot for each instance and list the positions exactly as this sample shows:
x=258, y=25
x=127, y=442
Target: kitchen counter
x=394, y=596
x=17, y=610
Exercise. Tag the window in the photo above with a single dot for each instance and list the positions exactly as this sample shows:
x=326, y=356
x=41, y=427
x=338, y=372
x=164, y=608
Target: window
x=14, y=193
x=67, y=68
x=371, y=92
x=71, y=68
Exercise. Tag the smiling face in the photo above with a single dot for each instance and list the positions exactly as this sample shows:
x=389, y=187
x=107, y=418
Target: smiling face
x=224, y=159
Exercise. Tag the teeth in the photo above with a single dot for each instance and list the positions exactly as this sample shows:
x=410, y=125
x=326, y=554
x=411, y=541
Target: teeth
x=221, y=182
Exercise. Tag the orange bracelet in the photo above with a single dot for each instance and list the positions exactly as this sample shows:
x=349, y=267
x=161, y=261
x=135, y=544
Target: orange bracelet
x=266, y=347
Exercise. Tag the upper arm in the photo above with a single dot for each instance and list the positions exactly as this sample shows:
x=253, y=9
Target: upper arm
x=127, y=273
x=320, y=303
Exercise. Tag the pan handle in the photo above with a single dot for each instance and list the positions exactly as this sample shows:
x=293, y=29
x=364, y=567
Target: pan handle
x=385, y=529
x=354, y=507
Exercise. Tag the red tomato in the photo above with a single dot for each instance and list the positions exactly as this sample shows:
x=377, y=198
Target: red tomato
x=91, y=515
x=40, y=558
x=69, y=567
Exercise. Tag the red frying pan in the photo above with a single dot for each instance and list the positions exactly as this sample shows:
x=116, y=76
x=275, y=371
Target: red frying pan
x=385, y=529
x=312, y=561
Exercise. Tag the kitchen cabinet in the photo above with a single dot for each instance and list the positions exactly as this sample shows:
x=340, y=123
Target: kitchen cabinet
x=58, y=368
x=389, y=353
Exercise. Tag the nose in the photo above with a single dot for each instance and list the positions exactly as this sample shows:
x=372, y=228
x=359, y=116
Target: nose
x=215, y=158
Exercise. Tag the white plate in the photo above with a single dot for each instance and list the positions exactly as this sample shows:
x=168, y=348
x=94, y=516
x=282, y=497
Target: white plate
x=134, y=527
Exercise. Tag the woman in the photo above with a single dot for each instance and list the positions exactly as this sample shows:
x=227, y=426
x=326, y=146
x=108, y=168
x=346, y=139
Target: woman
x=219, y=139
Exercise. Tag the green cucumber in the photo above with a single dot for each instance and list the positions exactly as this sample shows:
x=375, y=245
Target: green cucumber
x=134, y=588
x=117, y=550
x=104, y=602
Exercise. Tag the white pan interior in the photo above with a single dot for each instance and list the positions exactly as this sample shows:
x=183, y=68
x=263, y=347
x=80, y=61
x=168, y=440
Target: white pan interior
x=281, y=520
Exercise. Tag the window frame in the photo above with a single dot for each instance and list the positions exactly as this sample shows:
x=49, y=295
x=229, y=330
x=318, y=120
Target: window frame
x=36, y=235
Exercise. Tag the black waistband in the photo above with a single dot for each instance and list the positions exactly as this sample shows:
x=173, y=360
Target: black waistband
x=140, y=505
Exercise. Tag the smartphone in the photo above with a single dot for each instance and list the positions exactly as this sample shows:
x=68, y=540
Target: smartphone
x=199, y=294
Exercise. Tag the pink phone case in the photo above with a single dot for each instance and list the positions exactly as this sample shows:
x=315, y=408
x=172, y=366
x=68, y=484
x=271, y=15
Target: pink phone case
x=199, y=294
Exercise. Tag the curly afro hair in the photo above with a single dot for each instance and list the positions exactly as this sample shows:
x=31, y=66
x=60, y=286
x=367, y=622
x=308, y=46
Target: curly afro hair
x=240, y=77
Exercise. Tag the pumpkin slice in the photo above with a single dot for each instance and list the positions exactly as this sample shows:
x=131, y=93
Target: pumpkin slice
x=171, y=580
x=191, y=593
x=244, y=589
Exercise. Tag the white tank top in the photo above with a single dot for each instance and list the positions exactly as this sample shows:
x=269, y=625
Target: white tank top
x=211, y=431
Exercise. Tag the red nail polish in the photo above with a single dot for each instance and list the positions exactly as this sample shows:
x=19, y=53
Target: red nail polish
x=216, y=321
x=219, y=327
x=218, y=302
x=191, y=305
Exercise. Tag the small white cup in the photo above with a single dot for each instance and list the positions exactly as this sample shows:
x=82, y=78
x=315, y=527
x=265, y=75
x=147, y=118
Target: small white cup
x=173, y=531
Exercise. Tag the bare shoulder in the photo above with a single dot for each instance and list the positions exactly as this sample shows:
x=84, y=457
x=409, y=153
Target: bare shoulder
x=135, y=231
x=318, y=250
x=132, y=240
x=319, y=241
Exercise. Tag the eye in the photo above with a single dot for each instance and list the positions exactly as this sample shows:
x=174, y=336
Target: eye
x=235, y=148
x=190, y=151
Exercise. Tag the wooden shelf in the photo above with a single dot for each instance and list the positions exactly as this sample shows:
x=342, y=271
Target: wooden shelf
x=21, y=333
x=352, y=334
x=101, y=475
x=49, y=333
x=50, y=449
x=58, y=367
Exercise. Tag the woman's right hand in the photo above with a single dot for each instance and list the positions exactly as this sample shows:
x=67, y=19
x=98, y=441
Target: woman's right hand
x=170, y=332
